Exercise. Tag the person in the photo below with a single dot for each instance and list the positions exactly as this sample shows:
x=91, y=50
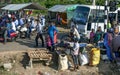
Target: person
x=16, y=22
x=13, y=24
x=98, y=35
x=39, y=29
x=108, y=25
x=58, y=19
x=48, y=43
x=3, y=30
x=116, y=43
x=21, y=23
x=75, y=54
x=92, y=34
x=51, y=30
x=108, y=43
x=28, y=32
x=76, y=33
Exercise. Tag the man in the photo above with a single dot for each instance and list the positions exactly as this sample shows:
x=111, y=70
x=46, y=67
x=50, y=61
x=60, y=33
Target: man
x=76, y=33
x=108, y=42
x=39, y=29
x=51, y=30
x=3, y=30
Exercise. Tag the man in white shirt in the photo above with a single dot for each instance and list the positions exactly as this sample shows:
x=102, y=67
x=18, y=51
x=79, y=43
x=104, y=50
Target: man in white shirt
x=39, y=29
x=13, y=25
x=76, y=33
x=16, y=22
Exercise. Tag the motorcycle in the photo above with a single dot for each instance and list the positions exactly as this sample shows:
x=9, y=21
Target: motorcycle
x=70, y=37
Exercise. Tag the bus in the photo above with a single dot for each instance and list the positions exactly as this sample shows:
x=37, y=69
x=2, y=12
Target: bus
x=88, y=17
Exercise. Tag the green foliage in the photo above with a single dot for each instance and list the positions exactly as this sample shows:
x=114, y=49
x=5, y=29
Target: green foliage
x=50, y=3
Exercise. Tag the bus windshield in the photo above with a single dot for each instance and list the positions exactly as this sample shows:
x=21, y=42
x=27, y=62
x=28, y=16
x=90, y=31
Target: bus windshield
x=81, y=15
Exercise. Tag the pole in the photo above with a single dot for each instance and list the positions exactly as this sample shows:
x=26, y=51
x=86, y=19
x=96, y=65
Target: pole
x=106, y=15
x=94, y=2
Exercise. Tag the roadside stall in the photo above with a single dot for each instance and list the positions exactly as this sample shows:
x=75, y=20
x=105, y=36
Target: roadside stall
x=59, y=11
x=22, y=18
x=16, y=7
x=70, y=12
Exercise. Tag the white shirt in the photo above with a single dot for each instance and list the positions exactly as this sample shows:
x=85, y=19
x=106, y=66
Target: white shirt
x=33, y=23
x=43, y=21
x=39, y=28
x=76, y=33
x=16, y=22
x=13, y=26
x=76, y=48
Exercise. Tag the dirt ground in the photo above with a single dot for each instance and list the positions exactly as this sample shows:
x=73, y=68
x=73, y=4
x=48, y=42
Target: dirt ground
x=20, y=66
x=16, y=53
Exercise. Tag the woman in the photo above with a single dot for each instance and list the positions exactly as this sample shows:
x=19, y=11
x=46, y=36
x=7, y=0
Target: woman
x=98, y=35
x=51, y=31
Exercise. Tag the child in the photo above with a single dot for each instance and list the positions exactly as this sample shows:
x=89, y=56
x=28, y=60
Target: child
x=75, y=54
x=48, y=43
x=92, y=34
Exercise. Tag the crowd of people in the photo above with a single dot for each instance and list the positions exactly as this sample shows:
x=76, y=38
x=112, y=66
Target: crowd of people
x=12, y=23
x=108, y=40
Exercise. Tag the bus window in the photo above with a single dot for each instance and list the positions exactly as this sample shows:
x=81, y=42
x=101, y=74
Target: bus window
x=81, y=15
x=112, y=16
x=97, y=15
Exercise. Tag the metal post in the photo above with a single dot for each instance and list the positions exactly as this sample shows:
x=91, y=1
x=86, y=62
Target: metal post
x=94, y=2
x=106, y=15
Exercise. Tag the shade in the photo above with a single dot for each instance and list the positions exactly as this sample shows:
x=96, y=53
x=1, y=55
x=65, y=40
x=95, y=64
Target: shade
x=15, y=7
x=59, y=8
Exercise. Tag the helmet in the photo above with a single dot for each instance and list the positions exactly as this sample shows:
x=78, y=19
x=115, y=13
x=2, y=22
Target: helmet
x=110, y=30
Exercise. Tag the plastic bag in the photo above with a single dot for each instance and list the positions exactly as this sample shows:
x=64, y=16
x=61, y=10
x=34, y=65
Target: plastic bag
x=94, y=56
x=84, y=59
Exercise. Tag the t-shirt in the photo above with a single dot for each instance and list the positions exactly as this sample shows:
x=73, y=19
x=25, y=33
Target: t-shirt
x=76, y=33
x=76, y=48
x=92, y=34
x=13, y=26
x=39, y=28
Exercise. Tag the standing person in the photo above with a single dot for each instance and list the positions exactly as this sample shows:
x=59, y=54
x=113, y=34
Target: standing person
x=51, y=31
x=3, y=30
x=108, y=25
x=92, y=34
x=75, y=54
x=58, y=18
x=28, y=32
x=98, y=35
x=116, y=43
x=48, y=43
x=108, y=43
x=39, y=29
x=76, y=33
x=13, y=25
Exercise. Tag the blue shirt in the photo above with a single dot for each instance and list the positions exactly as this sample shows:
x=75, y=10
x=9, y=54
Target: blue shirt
x=51, y=30
x=106, y=39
